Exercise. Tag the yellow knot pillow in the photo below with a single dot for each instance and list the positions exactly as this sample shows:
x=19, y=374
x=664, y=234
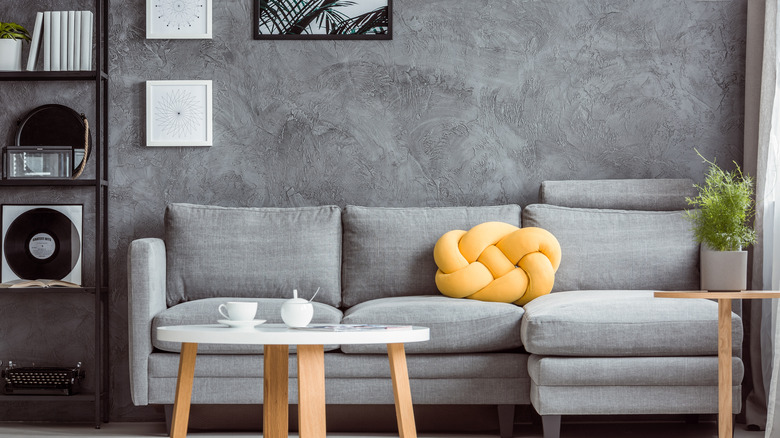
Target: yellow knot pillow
x=496, y=261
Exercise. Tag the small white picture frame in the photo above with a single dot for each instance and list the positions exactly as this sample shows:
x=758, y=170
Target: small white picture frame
x=178, y=113
x=178, y=19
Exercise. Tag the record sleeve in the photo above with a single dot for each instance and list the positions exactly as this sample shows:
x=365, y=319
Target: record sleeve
x=42, y=242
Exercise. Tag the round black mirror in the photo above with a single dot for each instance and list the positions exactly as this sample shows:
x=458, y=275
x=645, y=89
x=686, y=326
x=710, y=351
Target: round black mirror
x=55, y=125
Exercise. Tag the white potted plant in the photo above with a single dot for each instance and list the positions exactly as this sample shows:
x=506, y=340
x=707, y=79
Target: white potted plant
x=11, y=37
x=722, y=224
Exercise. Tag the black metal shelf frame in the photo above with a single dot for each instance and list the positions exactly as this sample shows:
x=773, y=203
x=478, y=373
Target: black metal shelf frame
x=52, y=290
x=48, y=75
x=21, y=182
x=99, y=183
x=39, y=398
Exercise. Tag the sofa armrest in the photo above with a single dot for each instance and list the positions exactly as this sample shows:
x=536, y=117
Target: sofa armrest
x=146, y=298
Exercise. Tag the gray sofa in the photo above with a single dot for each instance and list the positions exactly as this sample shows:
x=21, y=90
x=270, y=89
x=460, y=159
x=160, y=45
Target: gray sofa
x=599, y=344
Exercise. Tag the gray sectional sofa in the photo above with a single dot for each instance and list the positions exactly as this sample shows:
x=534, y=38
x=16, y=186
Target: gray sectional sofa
x=599, y=344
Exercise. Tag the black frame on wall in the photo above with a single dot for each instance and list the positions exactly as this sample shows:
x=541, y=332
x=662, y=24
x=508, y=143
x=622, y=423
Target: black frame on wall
x=325, y=12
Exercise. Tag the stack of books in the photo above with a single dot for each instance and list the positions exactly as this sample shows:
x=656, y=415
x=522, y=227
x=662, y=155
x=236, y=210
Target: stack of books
x=64, y=39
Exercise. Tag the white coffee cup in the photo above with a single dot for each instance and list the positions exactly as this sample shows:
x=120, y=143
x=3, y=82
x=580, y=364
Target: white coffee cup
x=238, y=310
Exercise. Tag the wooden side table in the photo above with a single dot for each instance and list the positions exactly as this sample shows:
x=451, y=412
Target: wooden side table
x=725, y=426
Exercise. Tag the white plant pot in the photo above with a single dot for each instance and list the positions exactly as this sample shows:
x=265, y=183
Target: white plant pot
x=10, y=55
x=723, y=270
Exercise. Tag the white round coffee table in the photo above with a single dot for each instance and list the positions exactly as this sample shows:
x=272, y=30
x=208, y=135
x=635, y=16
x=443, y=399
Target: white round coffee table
x=276, y=339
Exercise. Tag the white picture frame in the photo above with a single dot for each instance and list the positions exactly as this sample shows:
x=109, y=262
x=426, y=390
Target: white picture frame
x=179, y=113
x=178, y=19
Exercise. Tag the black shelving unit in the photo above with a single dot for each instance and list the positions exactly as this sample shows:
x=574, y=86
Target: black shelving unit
x=99, y=185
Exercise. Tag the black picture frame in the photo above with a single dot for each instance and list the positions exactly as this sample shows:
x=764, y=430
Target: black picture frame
x=379, y=18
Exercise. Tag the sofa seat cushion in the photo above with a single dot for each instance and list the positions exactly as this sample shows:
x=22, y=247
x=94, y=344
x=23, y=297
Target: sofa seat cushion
x=622, y=323
x=205, y=312
x=457, y=325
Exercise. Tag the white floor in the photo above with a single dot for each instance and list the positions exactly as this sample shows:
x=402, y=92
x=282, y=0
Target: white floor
x=568, y=430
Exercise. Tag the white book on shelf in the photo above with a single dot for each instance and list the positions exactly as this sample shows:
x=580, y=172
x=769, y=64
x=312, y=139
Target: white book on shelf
x=47, y=41
x=77, y=42
x=63, y=40
x=86, y=40
x=35, y=44
x=55, y=40
x=71, y=39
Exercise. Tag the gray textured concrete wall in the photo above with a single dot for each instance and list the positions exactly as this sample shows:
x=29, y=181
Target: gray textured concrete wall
x=473, y=102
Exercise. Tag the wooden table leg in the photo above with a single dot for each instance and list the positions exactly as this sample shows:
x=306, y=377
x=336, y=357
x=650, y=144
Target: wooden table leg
x=181, y=404
x=724, y=368
x=403, y=395
x=275, y=397
x=311, y=391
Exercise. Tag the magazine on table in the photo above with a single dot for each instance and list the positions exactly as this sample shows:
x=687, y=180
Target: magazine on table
x=353, y=327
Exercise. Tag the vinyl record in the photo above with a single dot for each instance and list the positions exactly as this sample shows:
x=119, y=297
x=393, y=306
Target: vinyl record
x=42, y=243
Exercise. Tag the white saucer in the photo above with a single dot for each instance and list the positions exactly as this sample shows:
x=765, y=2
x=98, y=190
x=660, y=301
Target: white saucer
x=241, y=324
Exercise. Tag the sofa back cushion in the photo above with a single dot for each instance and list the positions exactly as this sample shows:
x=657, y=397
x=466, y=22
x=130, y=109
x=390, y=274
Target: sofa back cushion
x=252, y=252
x=621, y=194
x=608, y=245
x=388, y=252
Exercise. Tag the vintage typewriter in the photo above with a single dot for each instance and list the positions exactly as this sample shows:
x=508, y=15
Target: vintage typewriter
x=41, y=380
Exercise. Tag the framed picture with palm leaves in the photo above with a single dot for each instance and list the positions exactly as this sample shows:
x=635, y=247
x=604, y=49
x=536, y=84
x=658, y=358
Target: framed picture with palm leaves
x=323, y=19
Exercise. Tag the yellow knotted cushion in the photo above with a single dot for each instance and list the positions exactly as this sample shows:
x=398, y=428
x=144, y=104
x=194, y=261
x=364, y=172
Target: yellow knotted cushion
x=496, y=261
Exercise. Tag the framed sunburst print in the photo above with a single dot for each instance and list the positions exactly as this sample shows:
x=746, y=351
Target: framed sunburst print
x=323, y=19
x=178, y=113
x=174, y=19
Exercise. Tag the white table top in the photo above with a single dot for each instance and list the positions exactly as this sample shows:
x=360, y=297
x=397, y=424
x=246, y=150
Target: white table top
x=280, y=334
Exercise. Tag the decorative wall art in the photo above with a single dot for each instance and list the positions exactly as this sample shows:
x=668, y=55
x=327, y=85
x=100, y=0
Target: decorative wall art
x=178, y=113
x=178, y=19
x=323, y=19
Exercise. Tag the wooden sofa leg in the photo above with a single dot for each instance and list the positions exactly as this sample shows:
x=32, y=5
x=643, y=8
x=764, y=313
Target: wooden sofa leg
x=506, y=420
x=551, y=425
x=168, y=418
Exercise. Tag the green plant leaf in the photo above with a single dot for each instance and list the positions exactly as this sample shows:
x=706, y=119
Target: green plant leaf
x=374, y=22
x=724, y=209
x=13, y=31
x=293, y=17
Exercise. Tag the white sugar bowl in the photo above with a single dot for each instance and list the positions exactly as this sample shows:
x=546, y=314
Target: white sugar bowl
x=297, y=312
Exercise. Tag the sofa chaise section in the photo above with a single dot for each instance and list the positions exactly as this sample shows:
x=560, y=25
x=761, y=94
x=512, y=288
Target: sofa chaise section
x=600, y=343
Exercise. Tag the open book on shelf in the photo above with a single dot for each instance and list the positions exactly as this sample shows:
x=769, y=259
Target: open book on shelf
x=353, y=327
x=37, y=283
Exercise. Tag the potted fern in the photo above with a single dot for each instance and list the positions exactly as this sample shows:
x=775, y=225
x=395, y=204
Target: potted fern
x=722, y=224
x=11, y=37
